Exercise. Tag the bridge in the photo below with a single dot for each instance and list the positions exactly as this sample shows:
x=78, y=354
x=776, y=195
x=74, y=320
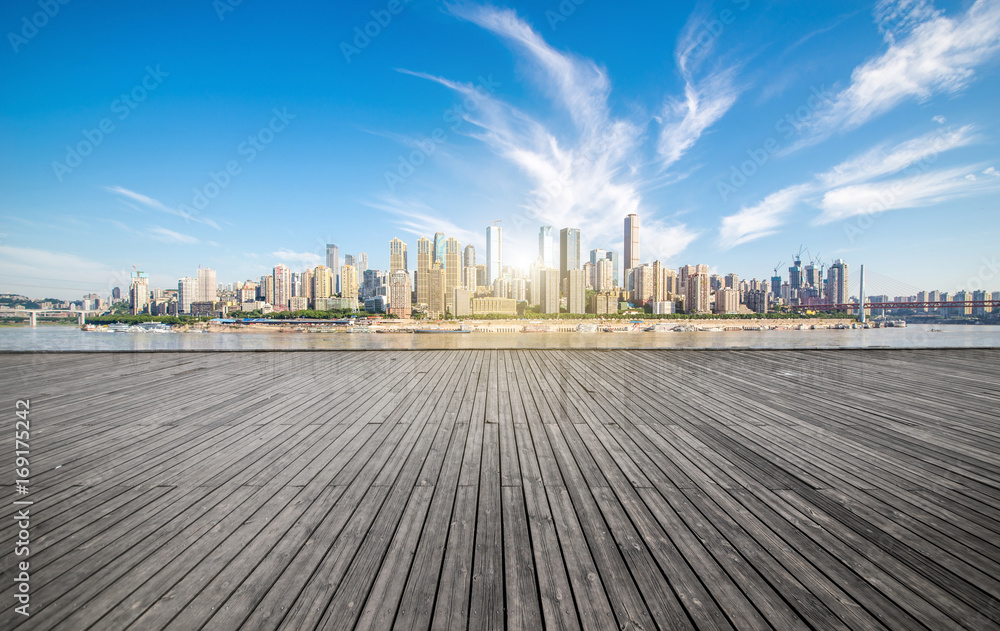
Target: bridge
x=81, y=316
x=875, y=306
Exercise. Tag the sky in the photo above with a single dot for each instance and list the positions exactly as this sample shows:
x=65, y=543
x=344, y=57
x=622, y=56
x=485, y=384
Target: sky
x=239, y=135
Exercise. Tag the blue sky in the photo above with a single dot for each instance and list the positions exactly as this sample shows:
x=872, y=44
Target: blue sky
x=239, y=137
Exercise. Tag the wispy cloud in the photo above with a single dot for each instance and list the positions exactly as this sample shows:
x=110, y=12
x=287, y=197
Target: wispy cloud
x=582, y=170
x=705, y=100
x=169, y=236
x=421, y=220
x=303, y=259
x=908, y=192
x=856, y=181
x=928, y=53
x=149, y=202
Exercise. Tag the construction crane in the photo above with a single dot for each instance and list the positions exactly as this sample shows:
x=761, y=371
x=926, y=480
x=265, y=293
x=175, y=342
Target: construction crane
x=777, y=267
x=496, y=221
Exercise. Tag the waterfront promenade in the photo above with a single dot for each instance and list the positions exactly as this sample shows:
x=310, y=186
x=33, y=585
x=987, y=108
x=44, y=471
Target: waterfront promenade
x=562, y=489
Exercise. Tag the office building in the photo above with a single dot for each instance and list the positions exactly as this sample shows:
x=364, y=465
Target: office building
x=362, y=264
x=549, y=299
x=481, y=276
x=207, y=290
x=425, y=259
x=494, y=253
x=469, y=278
x=837, y=291
x=469, y=258
x=631, y=243
x=187, y=293
x=435, y=292
x=349, y=285
x=282, y=287
x=569, y=251
x=397, y=256
x=452, y=268
x=546, y=247
x=333, y=264
x=399, y=293
x=576, y=295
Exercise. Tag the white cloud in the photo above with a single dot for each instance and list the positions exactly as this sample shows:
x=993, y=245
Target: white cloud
x=301, y=259
x=940, y=120
x=45, y=273
x=169, y=236
x=849, y=183
x=158, y=205
x=909, y=192
x=761, y=220
x=928, y=53
x=583, y=177
x=991, y=171
x=705, y=101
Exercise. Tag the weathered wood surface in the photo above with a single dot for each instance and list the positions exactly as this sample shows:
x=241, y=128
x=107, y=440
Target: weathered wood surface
x=488, y=489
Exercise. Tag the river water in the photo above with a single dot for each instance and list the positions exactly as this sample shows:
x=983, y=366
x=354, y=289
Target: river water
x=63, y=338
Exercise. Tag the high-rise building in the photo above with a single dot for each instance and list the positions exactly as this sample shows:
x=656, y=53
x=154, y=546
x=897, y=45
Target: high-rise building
x=425, y=259
x=438, y=256
x=590, y=273
x=397, y=256
x=333, y=263
x=349, y=285
x=837, y=291
x=282, y=287
x=518, y=289
x=732, y=281
x=643, y=284
x=569, y=251
x=138, y=293
x=116, y=293
x=631, y=243
x=306, y=285
x=207, y=290
x=669, y=280
x=374, y=283
x=576, y=295
x=546, y=251
x=604, y=281
x=362, y=264
x=727, y=300
x=494, y=253
x=452, y=268
x=550, y=282
x=612, y=256
x=535, y=282
x=436, y=291
x=481, y=275
x=469, y=258
x=349, y=259
x=322, y=282
x=469, y=278
x=399, y=292
x=187, y=292
x=698, y=299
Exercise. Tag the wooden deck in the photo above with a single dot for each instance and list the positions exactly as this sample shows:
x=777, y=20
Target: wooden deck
x=852, y=489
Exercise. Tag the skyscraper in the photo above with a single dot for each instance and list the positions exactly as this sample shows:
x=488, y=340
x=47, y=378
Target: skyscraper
x=349, y=283
x=604, y=276
x=362, y=264
x=550, y=290
x=435, y=291
x=631, y=243
x=438, y=248
x=333, y=263
x=349, y=259
x=399, y=293
x=187, y=292
x=452, y=268
x=836, y=283
x=545, y=247
x=469, y=259
x=425, y=259
x=207, y=290
x=322, y=282
x=138, y=293
x=576, y=294
x=494, y=252
x=569, y=251
x=397, y=256
x=282, y=287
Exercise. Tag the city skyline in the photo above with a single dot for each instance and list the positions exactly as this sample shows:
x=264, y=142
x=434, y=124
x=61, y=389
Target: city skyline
x=733, y=147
